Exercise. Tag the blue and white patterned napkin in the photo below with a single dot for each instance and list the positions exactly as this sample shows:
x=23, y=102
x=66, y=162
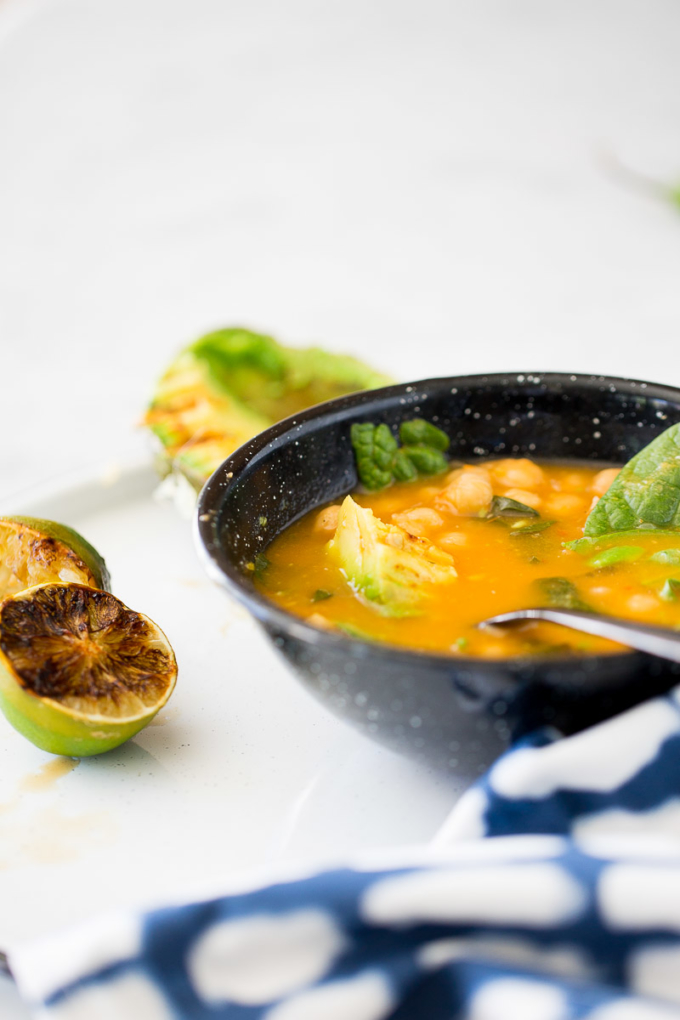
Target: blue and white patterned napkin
x=552, y=893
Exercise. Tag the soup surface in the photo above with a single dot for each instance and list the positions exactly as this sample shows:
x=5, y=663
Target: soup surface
x=477, y=564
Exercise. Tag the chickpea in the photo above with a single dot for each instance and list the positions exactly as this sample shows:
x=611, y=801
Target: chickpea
x=429, y=493
x=327, y=519
x=317, y=620
x=642, y=603
x=418, y=520
x=481, y=469
x=468, y=493
x=603, y=479
x=452, y=540
x=524, y=496
x=564, y=503
x=517, y=474
x=575, y=481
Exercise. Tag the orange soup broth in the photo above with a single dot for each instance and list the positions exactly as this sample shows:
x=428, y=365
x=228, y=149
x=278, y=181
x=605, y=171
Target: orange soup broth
x=497, y=571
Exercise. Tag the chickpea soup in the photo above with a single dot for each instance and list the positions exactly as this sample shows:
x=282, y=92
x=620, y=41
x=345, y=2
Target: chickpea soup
x=420, y=563
x=429, y=547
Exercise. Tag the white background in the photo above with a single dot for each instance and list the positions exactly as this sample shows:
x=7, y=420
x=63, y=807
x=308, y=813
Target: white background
x=421, y=182
x=426, y=184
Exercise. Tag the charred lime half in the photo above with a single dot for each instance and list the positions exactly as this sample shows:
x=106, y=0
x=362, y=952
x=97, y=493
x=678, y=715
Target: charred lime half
x=34, y=551
x=80, y=672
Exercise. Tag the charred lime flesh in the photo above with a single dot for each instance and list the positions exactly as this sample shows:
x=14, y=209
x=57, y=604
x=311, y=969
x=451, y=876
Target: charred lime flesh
x=34, y=551
x=80, y=672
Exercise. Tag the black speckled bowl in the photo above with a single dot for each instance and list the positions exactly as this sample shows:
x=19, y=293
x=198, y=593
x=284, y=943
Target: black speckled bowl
x=458, y=712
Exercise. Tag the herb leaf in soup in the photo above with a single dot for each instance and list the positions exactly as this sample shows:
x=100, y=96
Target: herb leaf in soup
x=533, y=528
x=419, y=432
x=561, y=593
x=670, y=590
x=612, y=538
x=425, y=459
x=616, y=554
x=380, y=461
x=503, y=506
x=404, y=468
x=645, y=494
x=375, y=449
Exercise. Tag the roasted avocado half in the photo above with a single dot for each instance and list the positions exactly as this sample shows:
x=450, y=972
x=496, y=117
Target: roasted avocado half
x=232, y=384
x=385, y=564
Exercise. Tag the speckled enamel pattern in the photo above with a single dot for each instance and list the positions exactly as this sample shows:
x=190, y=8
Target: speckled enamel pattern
x=553, y=894
x=462, y=712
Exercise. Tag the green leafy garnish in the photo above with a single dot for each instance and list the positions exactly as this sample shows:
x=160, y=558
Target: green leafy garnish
x=404, y=469
x=589, y=545
x=646, y=492
x=320, y=595
x=380, y=460
x=616, y=554
x=670, y=590
x=670, y=556
x=503, y=506
x=419, y=432
x=561, y=593
x=533, y=528
x=258, y=565
x=425, y=459
x=375, y=449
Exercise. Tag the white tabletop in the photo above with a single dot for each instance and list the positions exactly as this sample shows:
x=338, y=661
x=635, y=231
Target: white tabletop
x=425, y=183
x=421, y=182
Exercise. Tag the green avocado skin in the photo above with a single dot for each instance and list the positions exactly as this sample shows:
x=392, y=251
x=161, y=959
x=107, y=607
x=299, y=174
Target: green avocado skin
x=645, y=494
x=233, y=383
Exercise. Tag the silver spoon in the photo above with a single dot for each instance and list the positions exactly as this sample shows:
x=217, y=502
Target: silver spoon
x=659, y=641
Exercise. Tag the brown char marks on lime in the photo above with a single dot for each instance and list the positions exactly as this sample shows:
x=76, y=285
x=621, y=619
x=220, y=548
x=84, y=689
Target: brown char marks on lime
x=72, y=642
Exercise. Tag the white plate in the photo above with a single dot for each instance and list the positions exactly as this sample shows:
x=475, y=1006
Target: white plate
x=241, y=769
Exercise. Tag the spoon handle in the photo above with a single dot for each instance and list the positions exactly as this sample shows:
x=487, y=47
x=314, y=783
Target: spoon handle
x=660, y=641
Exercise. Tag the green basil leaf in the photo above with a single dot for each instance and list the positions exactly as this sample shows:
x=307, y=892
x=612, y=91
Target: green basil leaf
x=427, y=460
x=645, y=493
x=404, y=469
x=419, y=432
x=375, y=449
x=532, y=528
x=503, y=506
x=617, y=554
x=561, y=593
x=589, y=545
x=320, y=595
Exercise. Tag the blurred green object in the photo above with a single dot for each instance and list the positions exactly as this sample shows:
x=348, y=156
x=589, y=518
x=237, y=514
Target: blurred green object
x=232, y=384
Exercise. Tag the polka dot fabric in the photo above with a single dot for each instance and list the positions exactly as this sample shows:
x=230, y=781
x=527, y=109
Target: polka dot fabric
x=552, y=893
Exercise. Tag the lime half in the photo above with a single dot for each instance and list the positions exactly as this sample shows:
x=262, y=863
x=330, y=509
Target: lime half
x=34, y=551
x=80, y=673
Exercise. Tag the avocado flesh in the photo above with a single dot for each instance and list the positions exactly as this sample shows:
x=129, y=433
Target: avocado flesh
x=232, y=384
x=389, y=567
